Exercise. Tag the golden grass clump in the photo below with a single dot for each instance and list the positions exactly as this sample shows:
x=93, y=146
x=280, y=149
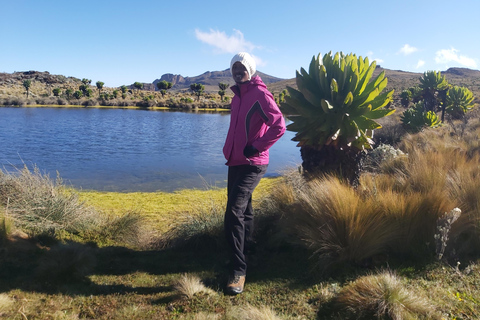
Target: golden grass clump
x=6, y=303
x=382, y=296
x=39, y=205
x=129, y=229
x=202, y=316
x=190, y=285
x=249, y=312
x=204, y=227
x=394, y=210
x=6, y=228
x=337, y=224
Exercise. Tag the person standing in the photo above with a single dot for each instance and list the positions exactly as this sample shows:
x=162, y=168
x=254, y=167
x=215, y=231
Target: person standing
x=256, y=123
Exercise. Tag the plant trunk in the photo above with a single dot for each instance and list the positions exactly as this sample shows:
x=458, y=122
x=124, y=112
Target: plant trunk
x=346, y=164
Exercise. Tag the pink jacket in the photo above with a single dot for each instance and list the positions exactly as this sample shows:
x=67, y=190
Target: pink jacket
x=254, y=120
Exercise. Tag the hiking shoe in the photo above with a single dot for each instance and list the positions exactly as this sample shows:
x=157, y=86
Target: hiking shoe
x=235, y=285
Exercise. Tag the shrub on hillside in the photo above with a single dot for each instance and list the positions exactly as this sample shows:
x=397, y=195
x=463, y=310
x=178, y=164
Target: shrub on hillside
x=14, y=101
x=62, y=101
x=392, y=131
x=146, y=103
x=89, y=102
x=46, y=101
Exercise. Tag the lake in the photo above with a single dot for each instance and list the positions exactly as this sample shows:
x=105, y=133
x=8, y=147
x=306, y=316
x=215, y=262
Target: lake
x=126, y=150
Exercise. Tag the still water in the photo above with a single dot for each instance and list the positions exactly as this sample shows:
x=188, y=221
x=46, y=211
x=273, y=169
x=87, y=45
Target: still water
x=125, y=150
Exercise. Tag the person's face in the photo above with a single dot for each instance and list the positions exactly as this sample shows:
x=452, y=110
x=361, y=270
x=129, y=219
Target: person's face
x=239, y=73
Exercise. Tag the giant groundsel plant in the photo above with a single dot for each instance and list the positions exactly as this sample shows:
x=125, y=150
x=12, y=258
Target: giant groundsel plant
x=333, y=112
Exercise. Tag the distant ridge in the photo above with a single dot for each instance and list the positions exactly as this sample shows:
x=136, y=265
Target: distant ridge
x=209, y=79
x=11, y=83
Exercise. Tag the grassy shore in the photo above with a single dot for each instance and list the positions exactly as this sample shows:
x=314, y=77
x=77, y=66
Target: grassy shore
x=396, y=247
x=163, y=208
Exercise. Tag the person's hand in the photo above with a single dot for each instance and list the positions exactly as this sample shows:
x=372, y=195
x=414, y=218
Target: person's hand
x=250, y=151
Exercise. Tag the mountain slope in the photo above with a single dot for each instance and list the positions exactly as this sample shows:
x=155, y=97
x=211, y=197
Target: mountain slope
x=209, y=79
x=402, y=80
x=44, y=82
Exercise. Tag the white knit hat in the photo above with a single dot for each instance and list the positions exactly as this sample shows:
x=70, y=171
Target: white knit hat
x=247, y=60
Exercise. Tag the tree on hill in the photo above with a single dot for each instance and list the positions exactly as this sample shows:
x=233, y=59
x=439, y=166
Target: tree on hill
x=223, y=87
x=86, y=91
x=435, y=87
x=138, y=85
x=86, y=81
x=197, y=89
x=459, y=101
x=433, y=95
x=27, y=84
x=69, y=92
x=281, y=96
x=406, y=97
x=56, y=92
x=163, y=86
x=77, y=94
x=99, y=87
x=124, y=89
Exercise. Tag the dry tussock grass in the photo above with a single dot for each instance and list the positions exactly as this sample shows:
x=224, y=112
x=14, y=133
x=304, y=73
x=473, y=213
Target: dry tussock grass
x=395, y=209
x=195, y=229
x=190, y=285
x=6, y=303
x=203, y=316
x=39, y=206
x=249, y=312
x=383, y=296
x=339, y=225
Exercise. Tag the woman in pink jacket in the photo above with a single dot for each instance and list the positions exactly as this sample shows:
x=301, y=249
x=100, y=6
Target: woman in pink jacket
x=256, y=124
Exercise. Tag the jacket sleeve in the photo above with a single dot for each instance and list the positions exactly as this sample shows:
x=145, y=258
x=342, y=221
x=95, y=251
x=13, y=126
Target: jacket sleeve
x=275, y=123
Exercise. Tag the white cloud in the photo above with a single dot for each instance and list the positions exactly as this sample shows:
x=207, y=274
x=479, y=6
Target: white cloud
x=259, y=61
x=451, y=55
x=223, y=43
x=371, y=58
x=407, y=49
x=420, y=64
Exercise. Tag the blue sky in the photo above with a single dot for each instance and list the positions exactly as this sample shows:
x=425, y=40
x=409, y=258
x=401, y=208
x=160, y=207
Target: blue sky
x=121, y=42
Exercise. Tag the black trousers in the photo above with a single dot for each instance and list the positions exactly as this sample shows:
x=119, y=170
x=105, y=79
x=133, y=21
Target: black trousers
x=242, y=180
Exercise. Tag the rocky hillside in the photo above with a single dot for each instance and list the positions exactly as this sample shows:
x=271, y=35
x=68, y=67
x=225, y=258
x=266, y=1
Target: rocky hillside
x=44, y=82
x=43, y=77
x=209, y=79
x=11, y=84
